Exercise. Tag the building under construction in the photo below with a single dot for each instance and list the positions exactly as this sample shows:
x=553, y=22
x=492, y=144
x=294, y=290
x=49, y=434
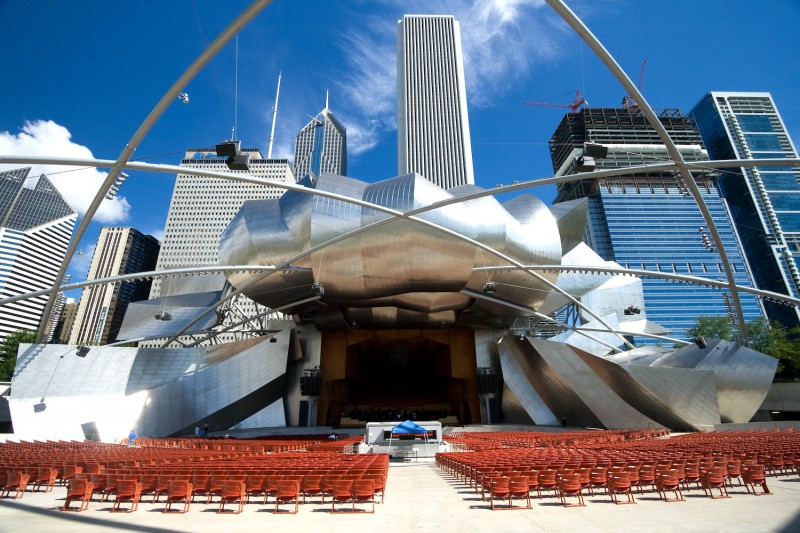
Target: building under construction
x=649, y=220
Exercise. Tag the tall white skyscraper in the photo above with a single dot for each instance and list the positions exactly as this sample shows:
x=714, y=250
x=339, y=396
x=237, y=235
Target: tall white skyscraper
x=432, y=125
x=36, y=225
x=201, y=209
x=321, y=146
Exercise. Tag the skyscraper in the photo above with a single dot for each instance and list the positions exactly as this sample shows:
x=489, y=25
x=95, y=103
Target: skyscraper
x=764, y=201
x=650, y=221
x=432, y=124
x=199, y=212
x=321, y=146
x=36, y=225
x=101, y=307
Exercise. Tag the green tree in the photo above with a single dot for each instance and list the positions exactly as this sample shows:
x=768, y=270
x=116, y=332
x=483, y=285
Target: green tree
x=712, y=327
x=776, y=340
x=8, y=351
x=770, y=338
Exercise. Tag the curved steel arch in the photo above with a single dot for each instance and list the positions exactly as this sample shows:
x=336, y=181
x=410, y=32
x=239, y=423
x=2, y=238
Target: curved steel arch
x=678, y=162
x=168, y=98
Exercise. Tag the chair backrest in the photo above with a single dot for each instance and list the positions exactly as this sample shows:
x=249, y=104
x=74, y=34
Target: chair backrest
x=342, y=486
x=667, y=481
x=232, y=486
x=126, y=487
x=76, y=486
x=312, y=482
x=179, y=488
x=363, y=487
x=288, y=487
x=571, y=482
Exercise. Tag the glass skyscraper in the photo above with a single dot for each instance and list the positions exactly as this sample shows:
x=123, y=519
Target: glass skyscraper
x=432, y=124
x=321, y=146
x=649, y=221
x=764, y=201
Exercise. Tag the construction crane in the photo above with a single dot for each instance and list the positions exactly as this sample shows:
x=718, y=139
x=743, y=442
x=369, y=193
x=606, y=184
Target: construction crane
x=574, y=106
x=628, y=102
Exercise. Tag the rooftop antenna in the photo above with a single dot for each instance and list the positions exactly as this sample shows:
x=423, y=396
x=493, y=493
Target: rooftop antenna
x=274, y=118
x=236, y=91
x=326, y=100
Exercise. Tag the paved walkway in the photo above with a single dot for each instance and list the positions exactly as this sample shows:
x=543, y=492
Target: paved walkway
x=420, y=497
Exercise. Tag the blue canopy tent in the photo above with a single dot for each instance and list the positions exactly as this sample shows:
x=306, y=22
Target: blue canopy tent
x=409, y=428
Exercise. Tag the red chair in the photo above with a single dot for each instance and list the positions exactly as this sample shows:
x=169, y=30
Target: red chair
x=714, y=479
x=200, y=485
x=599, y=480
x=127, y=490
x=232, y=491
x=364, y=492
x=499, y=488
x=620, y=483
x=647, y=476
x=520, y=488
x=692, y=475
x=17, y=481
x=69, y=471
x=78, y=489
x=667, y=482
x=734, y=472
x=161, y=485
x=45, y=476
x=178, y=491
x=570, y=485
x=753, y=475
x=271, y=486
x=254, y=486
x=342, y=492
x=311, y=486
x=547, y=481
x=287, y=491
x=379, y=481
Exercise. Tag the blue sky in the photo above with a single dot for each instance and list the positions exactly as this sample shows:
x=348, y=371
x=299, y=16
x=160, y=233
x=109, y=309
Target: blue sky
x=79, y=78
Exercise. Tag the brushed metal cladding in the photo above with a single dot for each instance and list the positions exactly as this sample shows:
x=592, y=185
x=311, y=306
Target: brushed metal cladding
x=743, y=376
x=513, y=409
x=571, y=219
x=156, y=391
x=597, y=342
x=518, y=377
x=140, y=322
x=686, y=393
x=531, y=237
x=550, y=385
x=678, y=398
x=576, y=283
x=400, y=274
x=604, y=403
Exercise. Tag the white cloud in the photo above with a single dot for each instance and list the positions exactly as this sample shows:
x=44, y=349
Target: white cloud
x=502, y=41
x=77, y=185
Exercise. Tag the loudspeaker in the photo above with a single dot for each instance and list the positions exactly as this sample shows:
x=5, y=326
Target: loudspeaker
x=700, y=342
